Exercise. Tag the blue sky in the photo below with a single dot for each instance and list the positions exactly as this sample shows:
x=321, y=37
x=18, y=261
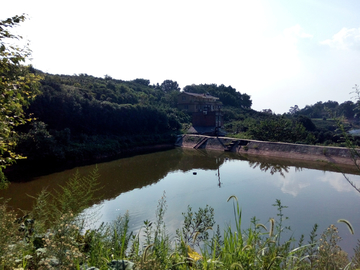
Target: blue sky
x=282, y=53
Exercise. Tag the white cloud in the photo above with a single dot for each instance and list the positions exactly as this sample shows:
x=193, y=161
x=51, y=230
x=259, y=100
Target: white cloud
x=296, y=32
x=339, y=183
x=345, y=39
x=293, y=184
x=282, y=63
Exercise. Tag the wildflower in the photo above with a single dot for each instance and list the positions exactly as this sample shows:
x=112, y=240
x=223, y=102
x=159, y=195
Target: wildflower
x=28, y=257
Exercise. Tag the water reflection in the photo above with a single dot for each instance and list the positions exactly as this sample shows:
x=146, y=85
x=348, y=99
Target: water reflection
x=137, y=172
x=272, y=168
x=313, y=191
x=338, y=182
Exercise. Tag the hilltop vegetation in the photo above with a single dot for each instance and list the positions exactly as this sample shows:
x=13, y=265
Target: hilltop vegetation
x=321, y=123
x=81, y=116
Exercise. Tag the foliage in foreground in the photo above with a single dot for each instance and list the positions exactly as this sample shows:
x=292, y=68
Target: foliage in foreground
x=18, y=86
x=56, y=235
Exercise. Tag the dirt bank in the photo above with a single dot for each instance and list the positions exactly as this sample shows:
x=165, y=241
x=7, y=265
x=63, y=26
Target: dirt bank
x=335, y=155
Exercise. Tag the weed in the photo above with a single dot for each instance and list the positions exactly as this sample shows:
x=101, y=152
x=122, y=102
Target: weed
x=120, y=236
x=254, y=249
x=77, y=193
x=356, y=259
x=10, y=238
x=62, y=249
x=196, y=226
x=330, y=255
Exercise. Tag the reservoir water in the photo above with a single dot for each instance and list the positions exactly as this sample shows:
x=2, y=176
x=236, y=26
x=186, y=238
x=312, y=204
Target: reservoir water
x=314, y=192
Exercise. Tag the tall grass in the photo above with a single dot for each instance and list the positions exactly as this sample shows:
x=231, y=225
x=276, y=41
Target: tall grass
x=54, y=236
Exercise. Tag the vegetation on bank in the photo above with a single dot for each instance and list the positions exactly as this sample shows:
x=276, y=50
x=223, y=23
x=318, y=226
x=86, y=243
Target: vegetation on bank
x=18, y=86
x=56, y=234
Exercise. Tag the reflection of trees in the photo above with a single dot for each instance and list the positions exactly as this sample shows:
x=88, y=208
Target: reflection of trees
x=271, y=167
x=199, y=159
x=116, y=177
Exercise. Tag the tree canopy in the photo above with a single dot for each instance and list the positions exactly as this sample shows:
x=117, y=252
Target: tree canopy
x=328, y=109
x=17, y=87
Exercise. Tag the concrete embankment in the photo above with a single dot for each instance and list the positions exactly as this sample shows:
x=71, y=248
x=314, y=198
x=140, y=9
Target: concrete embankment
x=335, y=155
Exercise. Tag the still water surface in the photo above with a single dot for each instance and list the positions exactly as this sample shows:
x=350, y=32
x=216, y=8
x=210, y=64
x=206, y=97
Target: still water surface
x=314, y=193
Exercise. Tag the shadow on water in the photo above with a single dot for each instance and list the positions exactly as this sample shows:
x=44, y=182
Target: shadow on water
x=24, y=171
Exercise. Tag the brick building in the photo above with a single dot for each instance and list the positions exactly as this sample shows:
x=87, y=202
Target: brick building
x=206, y=112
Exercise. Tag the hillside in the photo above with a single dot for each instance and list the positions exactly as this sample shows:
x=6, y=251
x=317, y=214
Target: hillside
x=81, y=117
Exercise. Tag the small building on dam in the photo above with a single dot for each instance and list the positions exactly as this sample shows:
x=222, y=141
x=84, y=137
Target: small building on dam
x=207, y=118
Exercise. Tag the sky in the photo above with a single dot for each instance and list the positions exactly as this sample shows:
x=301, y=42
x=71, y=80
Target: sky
x=282, y=53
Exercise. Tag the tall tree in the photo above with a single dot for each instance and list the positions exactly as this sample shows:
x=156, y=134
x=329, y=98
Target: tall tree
x=169, y=85
x=267, y=111
x=347, y=109
x=17, y=87
x=294, y=109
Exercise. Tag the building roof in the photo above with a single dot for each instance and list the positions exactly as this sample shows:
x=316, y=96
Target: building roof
x=205, y=130
x=199, y=95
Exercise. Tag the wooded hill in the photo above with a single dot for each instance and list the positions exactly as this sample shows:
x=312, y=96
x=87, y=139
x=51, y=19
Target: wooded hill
x=81, y=117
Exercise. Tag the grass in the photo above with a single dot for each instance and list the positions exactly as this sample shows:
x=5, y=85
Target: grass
x=58, y=239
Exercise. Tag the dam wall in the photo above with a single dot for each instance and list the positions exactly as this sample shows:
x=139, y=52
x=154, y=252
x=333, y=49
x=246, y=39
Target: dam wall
x=335, y=155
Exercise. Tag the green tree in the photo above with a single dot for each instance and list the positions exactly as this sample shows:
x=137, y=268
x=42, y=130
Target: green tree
x=246, y=102
x=294, y=109
x=281, y=130
x=306, y=122
x=169, y=85
x=142, y=82
x=267, y=111
x=347, y=109
x=17, y=87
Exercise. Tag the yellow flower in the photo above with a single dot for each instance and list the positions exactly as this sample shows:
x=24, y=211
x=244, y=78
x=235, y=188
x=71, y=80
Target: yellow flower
x=193, y=254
